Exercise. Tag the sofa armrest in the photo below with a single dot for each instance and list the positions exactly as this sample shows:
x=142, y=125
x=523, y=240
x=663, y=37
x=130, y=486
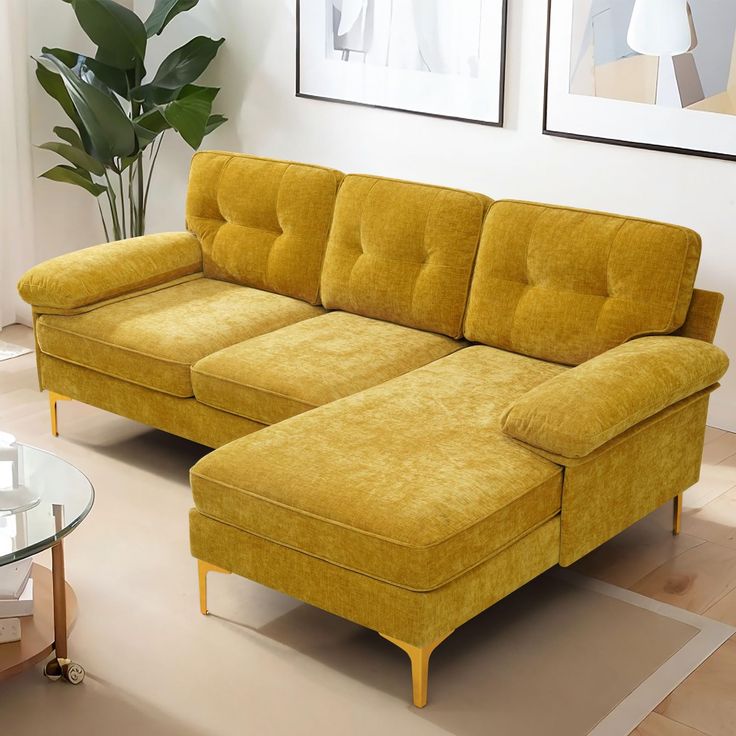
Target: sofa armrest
x=579, y=410
x=110, y=270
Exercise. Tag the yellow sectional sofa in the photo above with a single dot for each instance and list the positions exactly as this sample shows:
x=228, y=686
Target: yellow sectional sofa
x=452, y=395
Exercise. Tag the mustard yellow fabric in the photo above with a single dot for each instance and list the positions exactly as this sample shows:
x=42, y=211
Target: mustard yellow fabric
x=416, y=618
x=262, y=223
x=565, y=285
x=702, y=316
x=299, y=367
x=577, y=411
x=107, y=271
x=153, y=340
x=633, y=475
x=186, y=418
x=411, y=482
x=402, y=252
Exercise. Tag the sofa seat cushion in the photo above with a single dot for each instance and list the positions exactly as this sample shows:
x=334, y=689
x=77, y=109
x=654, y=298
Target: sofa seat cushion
x=411, y=482
x=153, y=340
x=283, y=373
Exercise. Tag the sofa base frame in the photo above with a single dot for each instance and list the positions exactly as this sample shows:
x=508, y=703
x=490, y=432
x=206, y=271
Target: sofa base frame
x=54, y=399
x=418, y=656
x=677, y=514
x=202, y=569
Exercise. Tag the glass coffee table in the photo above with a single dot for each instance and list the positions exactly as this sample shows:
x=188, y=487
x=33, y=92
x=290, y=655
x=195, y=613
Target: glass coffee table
x=54, y=498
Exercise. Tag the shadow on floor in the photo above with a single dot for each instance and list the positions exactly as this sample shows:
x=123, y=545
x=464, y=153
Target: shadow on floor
x=95, y=708
x=547, y=644
x=150, y=450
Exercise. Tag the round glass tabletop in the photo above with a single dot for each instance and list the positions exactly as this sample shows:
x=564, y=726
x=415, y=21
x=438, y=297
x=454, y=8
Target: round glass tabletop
x=42, y=499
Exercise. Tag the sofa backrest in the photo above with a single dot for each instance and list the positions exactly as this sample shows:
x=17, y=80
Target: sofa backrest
x=403, y=252
x=564, y=285
x=262, y=223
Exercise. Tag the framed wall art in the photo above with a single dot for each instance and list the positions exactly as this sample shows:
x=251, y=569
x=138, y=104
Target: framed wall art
x=657, y=74
x=443, y=58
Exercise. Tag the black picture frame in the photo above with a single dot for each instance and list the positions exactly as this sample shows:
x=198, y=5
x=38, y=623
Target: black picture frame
x=611, y=141
x=502, y=81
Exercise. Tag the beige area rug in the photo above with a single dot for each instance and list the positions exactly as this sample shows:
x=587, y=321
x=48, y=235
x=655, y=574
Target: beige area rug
x=566, y=656
x=9, y=350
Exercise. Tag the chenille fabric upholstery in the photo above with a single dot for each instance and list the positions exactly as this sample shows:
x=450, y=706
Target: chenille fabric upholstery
x=411, y=482
x=262, y=223
x=565, y=285
x=420, y=399
x=631, y=476
x=402, y=252
x=417, y=618
x=184, y=417
x=153, y=340
x=577, y=411
x=104, y=272
x=283, y=373
x=702, y=316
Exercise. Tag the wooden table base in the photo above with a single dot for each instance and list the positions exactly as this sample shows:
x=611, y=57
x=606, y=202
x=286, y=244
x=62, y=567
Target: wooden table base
x=37, y=631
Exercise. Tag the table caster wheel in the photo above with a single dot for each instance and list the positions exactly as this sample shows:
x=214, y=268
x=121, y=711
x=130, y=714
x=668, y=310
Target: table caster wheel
x=73, y=673
x=52, y=670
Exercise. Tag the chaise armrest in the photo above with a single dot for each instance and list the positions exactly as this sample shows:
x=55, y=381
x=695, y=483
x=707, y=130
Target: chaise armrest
x=110, y=270
x=577, y=411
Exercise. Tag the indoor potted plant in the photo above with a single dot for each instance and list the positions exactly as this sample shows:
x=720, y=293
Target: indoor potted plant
x=119, y=111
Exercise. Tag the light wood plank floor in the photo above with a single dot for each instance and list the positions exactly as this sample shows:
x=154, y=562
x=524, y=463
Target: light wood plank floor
x=696, y=571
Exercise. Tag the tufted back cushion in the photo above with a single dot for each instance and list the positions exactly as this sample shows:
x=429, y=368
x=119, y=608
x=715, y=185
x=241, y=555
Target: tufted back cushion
x=262, y=223
x=403, y=252
x=565, y=285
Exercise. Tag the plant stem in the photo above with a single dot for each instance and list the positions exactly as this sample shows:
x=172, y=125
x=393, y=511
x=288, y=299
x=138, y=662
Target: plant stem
x=141, y=211
x=141, y=207
x=150, y=173
x=122, y=203
x=113, y=208
x=104, y=224
x=131, y=203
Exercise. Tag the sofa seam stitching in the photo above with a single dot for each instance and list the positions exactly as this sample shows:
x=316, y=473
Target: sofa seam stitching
x=117, y=378
x=246, y=491
x=403, y=586
x=235, y=382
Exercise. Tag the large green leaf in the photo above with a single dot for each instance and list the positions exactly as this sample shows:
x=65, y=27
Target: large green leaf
x=213, y=123
x=144, y=135
x=118, y=32
x=78, y=177
x=153, y=120
x=110, y=130
x=190, y=89
x=81, y=159
x=54, y=85
x=115, y=79
x=164, y=11
x=189, y=116
x=70, y=136
x=179, y=69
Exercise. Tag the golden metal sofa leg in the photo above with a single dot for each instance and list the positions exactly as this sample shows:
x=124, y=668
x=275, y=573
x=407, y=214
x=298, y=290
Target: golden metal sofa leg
x=204, y=568
x=419, y=657
x=53, y=398
x=677, y=514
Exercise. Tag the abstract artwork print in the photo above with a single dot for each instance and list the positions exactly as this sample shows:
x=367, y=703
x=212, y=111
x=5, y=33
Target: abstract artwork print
x=437, y=57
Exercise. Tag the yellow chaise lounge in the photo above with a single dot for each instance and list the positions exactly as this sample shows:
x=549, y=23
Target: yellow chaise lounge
x=453, y=395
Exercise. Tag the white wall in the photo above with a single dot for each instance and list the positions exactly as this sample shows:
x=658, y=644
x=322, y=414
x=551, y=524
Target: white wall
x=256, y=70
x=66, y=217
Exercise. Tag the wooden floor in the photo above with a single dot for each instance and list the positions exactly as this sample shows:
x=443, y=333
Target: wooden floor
x=696, y=570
